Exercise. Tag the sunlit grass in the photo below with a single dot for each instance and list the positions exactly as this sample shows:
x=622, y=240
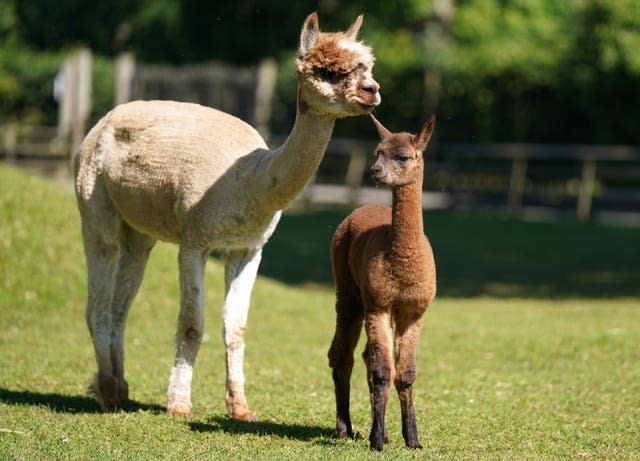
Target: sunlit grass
x=499, y=377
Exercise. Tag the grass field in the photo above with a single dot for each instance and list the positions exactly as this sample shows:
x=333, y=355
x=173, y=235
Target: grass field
x=530, y=351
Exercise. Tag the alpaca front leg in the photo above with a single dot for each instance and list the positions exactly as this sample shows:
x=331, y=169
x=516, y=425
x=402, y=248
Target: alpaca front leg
x=190, y=329
x=380, y=372
x=408, y=335
x=241, y=269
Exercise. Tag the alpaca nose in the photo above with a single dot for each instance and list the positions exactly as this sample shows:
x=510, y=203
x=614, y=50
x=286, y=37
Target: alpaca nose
x=371, y=86
x=369, y=91
x=376, y=169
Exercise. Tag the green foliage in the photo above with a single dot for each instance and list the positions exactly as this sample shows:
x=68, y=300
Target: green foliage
x=103, y=76
x=26, y=84
x=558, y=266
x=498, y=377
x=493, y=37
x=7, y=21
x=498, y=70
x=59, y=24
x=540, y=71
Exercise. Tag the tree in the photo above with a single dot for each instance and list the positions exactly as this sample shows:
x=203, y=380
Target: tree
x=494, y=70
x=542, y=70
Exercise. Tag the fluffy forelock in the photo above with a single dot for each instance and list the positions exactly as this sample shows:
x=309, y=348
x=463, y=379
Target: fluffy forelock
x=336, y=52
x=363, y=51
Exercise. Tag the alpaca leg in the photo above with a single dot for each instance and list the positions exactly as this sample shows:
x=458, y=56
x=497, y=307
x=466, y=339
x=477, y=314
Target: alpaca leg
x=380, y=371
x=408, y=335
x=101, y=250
x=134, y=254
x=190, y=329
x=349, y=317
x=348, y=327
x=241, y=269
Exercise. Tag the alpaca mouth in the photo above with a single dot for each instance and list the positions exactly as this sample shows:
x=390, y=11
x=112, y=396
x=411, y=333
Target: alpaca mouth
x=380, y=179
x=363, y=106
x=368, y=103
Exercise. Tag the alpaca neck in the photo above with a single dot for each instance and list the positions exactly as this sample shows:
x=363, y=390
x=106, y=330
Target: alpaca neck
x=407, y=231
x=296, y=160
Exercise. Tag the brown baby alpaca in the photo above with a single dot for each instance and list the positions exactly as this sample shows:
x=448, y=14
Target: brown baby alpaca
x=385, y=276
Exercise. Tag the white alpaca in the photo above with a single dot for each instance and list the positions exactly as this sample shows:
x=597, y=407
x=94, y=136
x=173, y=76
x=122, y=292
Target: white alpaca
x=205, y=180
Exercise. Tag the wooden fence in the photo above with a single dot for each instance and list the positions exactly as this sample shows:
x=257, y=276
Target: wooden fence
x=505, y=176
x=244, y=91
x=40, y=149
x=578, y=178
x=552, y=175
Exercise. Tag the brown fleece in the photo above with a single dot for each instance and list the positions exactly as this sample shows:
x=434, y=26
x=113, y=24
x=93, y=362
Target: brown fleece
x=385, y=277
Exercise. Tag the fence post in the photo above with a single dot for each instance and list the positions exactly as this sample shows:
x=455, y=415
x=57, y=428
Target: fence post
x=73, y=90
x=353, y=177
x=84, y=98
x=125, y=69
x=265, y=86
x=517, y=182
x=10, y=141
x=587, y=188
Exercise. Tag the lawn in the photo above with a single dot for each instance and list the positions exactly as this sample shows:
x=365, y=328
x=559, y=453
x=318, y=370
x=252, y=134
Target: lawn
x=530, y=351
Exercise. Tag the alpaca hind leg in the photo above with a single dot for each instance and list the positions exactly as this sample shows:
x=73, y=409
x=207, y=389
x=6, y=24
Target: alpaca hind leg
x=241, y=268
x=380, y=372
x=134, y=254
x=101, y=251
x=190, y=329
x=407, y=337
x=348, y=328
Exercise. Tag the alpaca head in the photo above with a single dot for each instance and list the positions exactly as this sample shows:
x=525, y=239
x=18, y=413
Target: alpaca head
x=399, y=158
x=334, y=71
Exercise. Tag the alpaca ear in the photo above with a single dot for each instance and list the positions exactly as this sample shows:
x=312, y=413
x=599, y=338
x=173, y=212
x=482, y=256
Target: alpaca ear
x=352, y=32
x=382, y=131
x=421, y=140
x=309, y=33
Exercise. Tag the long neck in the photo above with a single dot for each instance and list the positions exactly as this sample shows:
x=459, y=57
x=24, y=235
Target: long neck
x=407, y=231
x=294, y=163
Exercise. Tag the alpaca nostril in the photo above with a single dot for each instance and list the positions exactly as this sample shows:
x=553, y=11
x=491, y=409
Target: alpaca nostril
x=371, y=88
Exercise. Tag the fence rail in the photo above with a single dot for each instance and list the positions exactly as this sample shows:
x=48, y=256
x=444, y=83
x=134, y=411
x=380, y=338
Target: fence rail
x=581, y=178
x=507, y=175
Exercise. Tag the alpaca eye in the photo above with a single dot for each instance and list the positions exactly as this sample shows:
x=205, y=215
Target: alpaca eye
x=401, y=159
x=328, y=75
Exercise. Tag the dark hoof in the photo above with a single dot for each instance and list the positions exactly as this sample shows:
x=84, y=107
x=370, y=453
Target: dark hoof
x=344, y=430
x=377, y=443
x=376, y=446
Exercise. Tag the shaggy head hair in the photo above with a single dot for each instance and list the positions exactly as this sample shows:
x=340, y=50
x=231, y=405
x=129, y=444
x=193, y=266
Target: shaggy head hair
x=335, y=70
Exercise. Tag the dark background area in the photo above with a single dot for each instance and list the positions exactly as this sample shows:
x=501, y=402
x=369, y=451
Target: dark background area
x=552, y=71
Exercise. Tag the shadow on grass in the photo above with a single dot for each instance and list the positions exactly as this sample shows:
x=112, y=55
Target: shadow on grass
x=266, y=428
x=479, y=255
x=66, y=403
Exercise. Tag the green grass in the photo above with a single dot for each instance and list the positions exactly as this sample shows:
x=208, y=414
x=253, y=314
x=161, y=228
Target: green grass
x=483, y=255
x=530, y=352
